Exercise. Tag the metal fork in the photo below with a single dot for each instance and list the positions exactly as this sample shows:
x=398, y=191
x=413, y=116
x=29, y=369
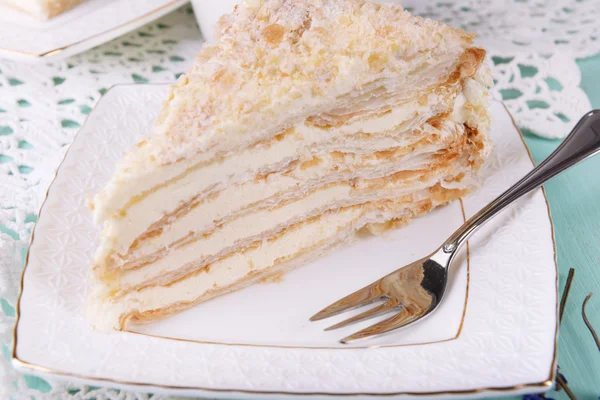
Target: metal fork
x=415, y=290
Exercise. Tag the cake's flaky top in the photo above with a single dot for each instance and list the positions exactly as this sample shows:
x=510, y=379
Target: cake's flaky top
x=279, y=59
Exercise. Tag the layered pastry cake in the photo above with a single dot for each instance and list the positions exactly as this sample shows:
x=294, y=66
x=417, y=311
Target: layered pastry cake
x=307, y=121
x=42, y=9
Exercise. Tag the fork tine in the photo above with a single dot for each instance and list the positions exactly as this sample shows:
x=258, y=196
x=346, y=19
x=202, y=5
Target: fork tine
x=386, y=307
x=361, y=297
x=406, y=316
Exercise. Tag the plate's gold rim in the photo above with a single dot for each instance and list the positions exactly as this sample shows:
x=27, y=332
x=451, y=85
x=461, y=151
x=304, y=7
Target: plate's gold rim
x=24, y=364
x=557, y=305
x=58, y=50
x=145, y=386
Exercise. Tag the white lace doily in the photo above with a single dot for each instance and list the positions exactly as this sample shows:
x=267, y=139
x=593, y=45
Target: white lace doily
x=532, y=46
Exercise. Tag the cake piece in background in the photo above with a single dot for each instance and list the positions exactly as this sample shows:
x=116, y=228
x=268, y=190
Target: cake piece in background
x=306, y=122
x=42, y=9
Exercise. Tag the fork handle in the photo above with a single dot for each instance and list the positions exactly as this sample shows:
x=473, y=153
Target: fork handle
x=582, y=142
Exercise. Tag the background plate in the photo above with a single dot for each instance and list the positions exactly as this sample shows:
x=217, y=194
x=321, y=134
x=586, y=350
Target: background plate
x=258, y=340
x=89, y=24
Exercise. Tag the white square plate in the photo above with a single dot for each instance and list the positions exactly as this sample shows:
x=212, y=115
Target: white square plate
x=496, y=330
x=25, y=38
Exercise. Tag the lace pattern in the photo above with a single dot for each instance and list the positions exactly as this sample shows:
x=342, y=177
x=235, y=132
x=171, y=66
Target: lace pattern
x=532, y=47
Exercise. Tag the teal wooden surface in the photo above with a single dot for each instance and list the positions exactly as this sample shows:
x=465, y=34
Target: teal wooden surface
x=574, y=199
